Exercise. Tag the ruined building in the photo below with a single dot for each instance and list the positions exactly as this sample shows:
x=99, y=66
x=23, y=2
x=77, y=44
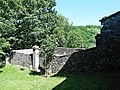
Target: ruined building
x=110, y=32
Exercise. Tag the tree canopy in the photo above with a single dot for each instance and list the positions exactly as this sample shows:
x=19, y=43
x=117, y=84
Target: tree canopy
x=24, y=23
x=83, y=36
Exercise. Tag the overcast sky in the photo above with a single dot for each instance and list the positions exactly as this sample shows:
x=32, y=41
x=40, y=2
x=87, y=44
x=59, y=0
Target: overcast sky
x=87, y=12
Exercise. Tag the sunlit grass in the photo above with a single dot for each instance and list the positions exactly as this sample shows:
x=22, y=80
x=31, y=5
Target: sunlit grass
x=12, y=78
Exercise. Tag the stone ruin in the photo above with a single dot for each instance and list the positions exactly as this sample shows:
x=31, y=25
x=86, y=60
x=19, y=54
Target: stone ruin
x=24, y=58
x=110, y=32
x=103, y=57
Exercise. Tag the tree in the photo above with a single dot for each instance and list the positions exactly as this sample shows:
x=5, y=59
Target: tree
x=4, y=47
x=25, y=23
x=64, y=27
x=82, y=36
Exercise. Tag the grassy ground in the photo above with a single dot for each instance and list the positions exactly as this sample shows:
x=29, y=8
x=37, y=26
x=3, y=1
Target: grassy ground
x=12, y=78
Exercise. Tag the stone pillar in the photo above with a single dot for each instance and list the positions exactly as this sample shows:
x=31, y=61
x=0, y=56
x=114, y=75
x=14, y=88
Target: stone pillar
x=36, y=58
x=7, y=60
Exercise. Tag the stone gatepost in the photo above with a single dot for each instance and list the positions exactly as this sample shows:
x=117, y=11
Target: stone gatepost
x=36, y=58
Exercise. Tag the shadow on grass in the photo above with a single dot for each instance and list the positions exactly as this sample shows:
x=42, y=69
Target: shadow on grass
x=99, y=68
x=1, y=71
x=42, y=72
x=2, y=65
x=35, y=73
x=96, y=81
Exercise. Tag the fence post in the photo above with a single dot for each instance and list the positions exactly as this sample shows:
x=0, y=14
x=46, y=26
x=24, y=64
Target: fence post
x=36, y=58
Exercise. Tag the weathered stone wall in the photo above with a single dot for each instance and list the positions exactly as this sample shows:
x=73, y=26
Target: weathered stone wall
x=111, y=25
x=111, y=20
x=62, y=56
x=21, y=57
x=24, y=58
x=110, y=33
x=75, y=61
x=88, y=61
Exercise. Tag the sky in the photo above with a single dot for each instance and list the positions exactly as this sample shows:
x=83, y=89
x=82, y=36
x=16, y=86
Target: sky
x=87, y=12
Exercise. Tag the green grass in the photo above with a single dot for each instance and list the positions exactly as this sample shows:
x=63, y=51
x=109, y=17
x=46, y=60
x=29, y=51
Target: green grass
x=91, y=82
x=12, y=78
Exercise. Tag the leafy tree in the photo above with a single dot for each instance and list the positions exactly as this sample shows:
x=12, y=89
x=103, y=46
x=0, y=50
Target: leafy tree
x=82, y=36
x=4, y=47
x=64, y=27
x=24, y=23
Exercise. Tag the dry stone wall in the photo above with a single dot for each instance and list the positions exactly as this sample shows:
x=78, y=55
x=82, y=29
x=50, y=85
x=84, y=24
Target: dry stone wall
x=110, y=33
x=24, y=58
x=74, y=61
x=21, y=57
x=62, y=56
x=91, y=61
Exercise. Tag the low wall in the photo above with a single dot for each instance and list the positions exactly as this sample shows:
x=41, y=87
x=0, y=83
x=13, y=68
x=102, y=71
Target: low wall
x=24, y=58
x=62, y=56
x=21, y=57
x=88, y=61
x=72, y=60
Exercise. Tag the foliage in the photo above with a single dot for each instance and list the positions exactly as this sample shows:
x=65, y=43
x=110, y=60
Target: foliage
x=27, y=21
x=82, y=36
x=4, y=47
x=24, y=23
x=63, y=30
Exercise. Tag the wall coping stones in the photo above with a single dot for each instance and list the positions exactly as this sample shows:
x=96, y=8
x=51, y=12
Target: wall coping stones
x=24, y=51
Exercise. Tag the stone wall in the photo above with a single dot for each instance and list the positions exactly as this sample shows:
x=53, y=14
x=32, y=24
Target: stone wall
x=74, y=61
x=111, y=20
x=21, y=57
x=24, y=58
x=110, y=32
x=62, y=56
x=87, y=61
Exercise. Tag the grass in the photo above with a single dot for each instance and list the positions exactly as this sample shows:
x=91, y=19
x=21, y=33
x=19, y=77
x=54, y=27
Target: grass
x=13, y=78
x=97, y=81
